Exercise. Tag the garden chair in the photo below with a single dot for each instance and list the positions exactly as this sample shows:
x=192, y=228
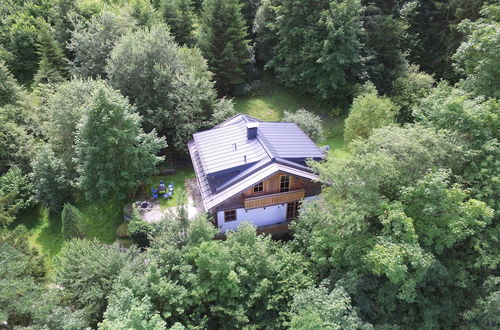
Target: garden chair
x=154, y=193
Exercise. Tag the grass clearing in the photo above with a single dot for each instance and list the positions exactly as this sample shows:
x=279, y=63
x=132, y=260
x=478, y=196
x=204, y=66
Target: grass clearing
x=178, y=178
x=270, y=101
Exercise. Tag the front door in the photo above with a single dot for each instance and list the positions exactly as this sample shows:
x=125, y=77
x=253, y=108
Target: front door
x=292, y=210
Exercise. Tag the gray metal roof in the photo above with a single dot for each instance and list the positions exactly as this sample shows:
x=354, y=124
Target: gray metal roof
x=226, y=162
x=287, y=140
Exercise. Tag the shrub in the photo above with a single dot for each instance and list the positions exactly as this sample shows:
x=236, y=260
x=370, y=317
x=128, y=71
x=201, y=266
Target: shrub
x=307, y=121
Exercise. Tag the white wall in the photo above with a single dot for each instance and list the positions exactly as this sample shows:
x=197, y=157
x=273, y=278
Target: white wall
x=258, y=217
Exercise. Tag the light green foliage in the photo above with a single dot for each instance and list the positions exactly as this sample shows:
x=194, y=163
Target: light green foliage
x=443, y=216
x=10, y=91
x=49, y=179
x=318, y=46
x=310, y=123
x=71, y=220
x=317, y=308
x=224, y=42
x=112, y=152
x=15, y=194
x=179, y=16
x=53, y=65
x=477, y=57
x=87, y=270
x=408, y=90
x=191, y=279
x=64, y=105
x=92, y=41
x=477, y=122
x=368, y=112
x=398, y=230
x=148, y=62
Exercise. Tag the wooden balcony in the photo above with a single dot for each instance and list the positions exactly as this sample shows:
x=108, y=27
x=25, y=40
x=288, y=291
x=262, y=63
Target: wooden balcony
x=274, y=199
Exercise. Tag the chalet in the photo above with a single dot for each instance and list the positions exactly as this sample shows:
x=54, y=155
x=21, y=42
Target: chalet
x=256, y=171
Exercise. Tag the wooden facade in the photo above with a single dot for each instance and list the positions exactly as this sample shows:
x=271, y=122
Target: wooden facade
x=273, y=199
x=270, y=195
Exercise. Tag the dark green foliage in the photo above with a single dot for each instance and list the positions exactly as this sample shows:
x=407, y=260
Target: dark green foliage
x=139, y=230
x=20, y=275
x=113, y=154
x=224, y=42
x=179, y=16
x=49, y=179
x=19, y=29
x=70, y=222
x=148, y=62
x=10, y=91
x=96, y=266
x=15, y=194
x=319, y=48
x=53, y=65
x=383, y=47
x=264, y=29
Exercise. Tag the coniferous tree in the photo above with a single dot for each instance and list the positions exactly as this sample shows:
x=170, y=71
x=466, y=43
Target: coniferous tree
x=9, y=88
x=53, y=66
x=179, y=15
x=70, y=220
x=223, y=39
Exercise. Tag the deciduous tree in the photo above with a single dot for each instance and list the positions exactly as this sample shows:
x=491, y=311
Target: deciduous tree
x=112, y=152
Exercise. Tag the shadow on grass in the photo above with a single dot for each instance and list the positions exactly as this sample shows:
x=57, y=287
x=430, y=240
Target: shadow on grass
x=100, y=220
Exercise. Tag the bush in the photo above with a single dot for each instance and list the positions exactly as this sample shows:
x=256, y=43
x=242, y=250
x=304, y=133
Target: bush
x=71, y=219
x=307, y=121
x=368, y=111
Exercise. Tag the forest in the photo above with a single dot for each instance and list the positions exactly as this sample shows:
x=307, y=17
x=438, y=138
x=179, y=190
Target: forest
x=96, y=96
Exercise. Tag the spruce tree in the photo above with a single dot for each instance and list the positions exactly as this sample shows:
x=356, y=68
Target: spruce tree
x=223, y=40
x=53, y=65
x=70, y=220
x=179, y=15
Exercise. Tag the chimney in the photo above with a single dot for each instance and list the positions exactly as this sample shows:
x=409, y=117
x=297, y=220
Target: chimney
x=252, y=130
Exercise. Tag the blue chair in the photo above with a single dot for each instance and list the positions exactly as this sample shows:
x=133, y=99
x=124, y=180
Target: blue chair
x=154, y=193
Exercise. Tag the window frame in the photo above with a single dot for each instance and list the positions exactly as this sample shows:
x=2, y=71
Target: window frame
x=230, y=215
x=285, y=184
x=259, y=186
x=292, y=207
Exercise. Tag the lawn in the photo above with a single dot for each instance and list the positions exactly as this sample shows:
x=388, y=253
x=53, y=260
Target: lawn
x=270, y=101
x=181, y=174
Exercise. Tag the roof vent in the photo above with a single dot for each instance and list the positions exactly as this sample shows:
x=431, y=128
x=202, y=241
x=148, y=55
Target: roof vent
x=252, y=130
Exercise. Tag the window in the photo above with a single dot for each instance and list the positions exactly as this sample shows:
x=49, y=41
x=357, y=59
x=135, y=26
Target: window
x=292, y=210
x=258, y=187
x=229, y=215
x=284, y=183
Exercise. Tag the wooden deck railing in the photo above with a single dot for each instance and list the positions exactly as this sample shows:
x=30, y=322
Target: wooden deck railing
x=279, y=198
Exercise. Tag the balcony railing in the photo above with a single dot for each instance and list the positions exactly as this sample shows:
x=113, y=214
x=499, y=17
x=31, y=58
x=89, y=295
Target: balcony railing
x=280, y=198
